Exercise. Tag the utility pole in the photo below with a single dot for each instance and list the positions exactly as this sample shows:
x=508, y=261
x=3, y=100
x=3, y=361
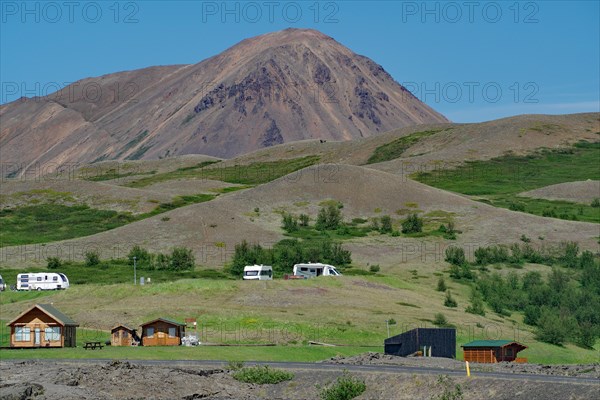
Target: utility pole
x=134, y=270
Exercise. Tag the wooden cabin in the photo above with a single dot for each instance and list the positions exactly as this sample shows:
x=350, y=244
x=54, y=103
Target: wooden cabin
x=42, y=325
x=162, y=332
x=493, y=351
x=122, y=335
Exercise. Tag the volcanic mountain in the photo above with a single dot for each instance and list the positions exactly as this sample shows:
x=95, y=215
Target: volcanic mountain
x=280, y=87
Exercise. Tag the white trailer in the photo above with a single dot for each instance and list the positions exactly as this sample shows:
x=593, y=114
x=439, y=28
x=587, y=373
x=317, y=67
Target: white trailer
x=42, y=281
x=258, y=272
x=311, y=270
x=2, y=284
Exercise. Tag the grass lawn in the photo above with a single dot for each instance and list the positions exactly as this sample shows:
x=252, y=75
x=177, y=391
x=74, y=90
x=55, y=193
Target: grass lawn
x=499, y=181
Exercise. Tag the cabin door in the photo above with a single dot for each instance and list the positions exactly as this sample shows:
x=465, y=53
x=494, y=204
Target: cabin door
x=37, y=337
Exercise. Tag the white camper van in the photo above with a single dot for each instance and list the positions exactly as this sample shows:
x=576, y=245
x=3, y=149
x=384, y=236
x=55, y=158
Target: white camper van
x=42, y=281
x=2, y=284
x=311, y=270
x=258, y=272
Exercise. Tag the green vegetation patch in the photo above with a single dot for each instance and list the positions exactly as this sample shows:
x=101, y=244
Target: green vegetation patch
x=499, y=181
x=262, y=374
x=396, y=148
x=51, y=222
x=179, y=173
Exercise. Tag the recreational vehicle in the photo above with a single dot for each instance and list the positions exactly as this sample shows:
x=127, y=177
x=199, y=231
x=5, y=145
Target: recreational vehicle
x=258, y=272
x=42, y=281
x=311, y=270
x=2, y=284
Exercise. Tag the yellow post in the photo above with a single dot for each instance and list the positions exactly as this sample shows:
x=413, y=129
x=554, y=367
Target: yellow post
x=468, y=370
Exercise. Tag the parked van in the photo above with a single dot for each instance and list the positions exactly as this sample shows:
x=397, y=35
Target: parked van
x=2, y=284
x=258, y=272
x=42, y=281
x=312, y=270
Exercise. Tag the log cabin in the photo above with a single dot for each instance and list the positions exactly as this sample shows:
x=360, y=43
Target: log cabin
x=42, y=325
x=162, y=332
x=493, y=351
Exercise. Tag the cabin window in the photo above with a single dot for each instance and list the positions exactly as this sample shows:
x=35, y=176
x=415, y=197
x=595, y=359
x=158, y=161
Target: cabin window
x=251, y=273
x=52, y=333
x=39, y=278
x=125, y=334
x=150, y=332
x=509, y=352
x=172, y=332
x=22, y=334
x=55, y=278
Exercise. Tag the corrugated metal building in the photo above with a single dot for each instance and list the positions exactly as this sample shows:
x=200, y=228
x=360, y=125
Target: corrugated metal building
x=442, y=342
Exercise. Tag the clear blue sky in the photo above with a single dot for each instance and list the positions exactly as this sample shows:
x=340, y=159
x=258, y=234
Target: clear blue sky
x=472, y=63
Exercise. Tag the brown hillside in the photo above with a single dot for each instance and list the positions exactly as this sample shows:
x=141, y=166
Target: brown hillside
x=276, y=88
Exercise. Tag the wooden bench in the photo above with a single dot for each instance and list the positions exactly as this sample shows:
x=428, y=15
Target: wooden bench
x=93, y=345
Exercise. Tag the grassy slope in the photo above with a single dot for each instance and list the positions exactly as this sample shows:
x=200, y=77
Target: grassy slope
x=396, y=148
x=252, y=312
x=499, y=181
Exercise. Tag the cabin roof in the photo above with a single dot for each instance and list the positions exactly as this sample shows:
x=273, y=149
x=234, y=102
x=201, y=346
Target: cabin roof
x=492, y=343
x=49, y=310
x=168, y=321
x=114, y=328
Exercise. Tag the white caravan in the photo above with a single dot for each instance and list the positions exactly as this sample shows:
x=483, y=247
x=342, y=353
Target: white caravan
x=2, y=284
x=42, y=281
x=258, y=272
x=311, y=270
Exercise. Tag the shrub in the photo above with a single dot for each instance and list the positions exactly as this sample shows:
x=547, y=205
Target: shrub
x=439, y=319
x=235, y=365
x=142, y=257
x=262, y=374
x=569, y=256
x=54, y=262
x=441, y=285
x=455, y=256
x=329, y=218
x=516, y=207
x=386, y=224
x=449, y=300
x=92, y=258
x=412, y=224
x=550, y=328
x=182, y=259
x=595, y=203
x=374, y=268
x=346, y=387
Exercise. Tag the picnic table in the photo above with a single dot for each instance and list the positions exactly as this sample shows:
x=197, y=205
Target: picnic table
x=93, y=345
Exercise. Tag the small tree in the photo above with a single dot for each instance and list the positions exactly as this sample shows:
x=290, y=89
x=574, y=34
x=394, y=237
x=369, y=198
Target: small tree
x=329, y=218
x=439, y=319
x=386, y=224
x=449, y=300
x=92, y=258
x=455, y=256
x=182, y=259
x=441, y=285
x=550, y=328
x=412, y=224
x=54, y=262
x=476, y=306
x=142, y=257
x=289, y=223
x=304, y=220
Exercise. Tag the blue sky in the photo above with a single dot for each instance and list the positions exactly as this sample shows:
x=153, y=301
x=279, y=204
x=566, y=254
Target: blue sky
x=471, y=61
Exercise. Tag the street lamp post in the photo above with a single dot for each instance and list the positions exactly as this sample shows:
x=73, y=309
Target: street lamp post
x=134, y=270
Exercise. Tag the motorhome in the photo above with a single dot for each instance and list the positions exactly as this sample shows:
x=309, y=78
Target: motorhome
x=258, y=272
x=42, y=281
x=312, y=270
x=2, y=284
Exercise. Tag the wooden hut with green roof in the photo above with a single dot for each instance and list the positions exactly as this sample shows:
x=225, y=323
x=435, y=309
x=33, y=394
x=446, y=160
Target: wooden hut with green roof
x=493, y=351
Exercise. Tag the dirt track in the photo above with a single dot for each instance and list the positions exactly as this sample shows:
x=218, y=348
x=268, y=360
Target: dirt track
x=124, y=380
